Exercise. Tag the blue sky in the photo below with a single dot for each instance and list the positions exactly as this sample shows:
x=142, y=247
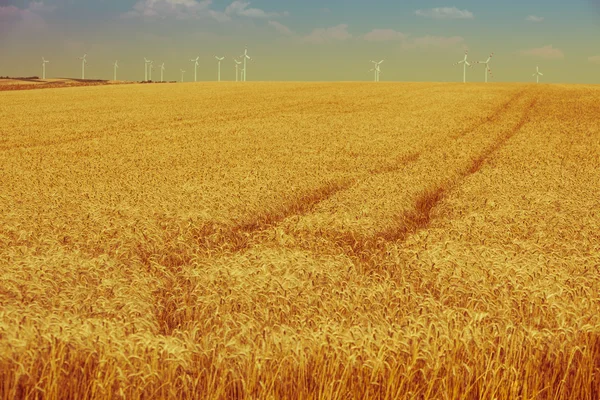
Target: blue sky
x=304, y=40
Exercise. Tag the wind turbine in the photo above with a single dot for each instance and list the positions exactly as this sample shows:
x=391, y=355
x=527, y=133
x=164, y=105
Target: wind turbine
x=487, y=68
x=146, y=62
x=465, y=64
x=182, y=71
x=377, y=72
x=162, y=69
x=237, y=64
x=115, y=66
x=219, y=59
x=195, y=66
x=150, y=69
x=246, y=57
x=83, y=62
x=377, y=69
x=537, y=74
x=44, y=61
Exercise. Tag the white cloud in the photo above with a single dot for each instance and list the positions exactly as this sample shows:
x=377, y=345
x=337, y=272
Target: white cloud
x=534, y=18
x=383, y=35
x=219, y=16
x=594, y=59
x=180, y=9
x=327, y=35
x=241, y=8
x=422, y=42
x=195, y=9
x=279, y=27
x=548, y=52
x=445, y=13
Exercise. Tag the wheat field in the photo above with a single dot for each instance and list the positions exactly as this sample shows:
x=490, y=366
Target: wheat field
x=300, y=241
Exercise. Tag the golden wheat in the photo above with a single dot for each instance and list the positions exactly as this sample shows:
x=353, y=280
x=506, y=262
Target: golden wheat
x=296, y=241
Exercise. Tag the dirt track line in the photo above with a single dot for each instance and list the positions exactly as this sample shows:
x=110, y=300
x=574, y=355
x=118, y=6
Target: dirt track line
x=477, y=163
x=420, y=217
x=492, y=117
x=210, y=237
x=240, y=237
x=361, y=247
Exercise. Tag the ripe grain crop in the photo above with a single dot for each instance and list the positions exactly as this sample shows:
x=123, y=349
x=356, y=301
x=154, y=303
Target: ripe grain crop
x=300, y=240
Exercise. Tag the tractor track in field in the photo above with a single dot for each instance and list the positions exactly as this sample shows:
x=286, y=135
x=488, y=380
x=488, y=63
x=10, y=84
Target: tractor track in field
x=210, y=237
x=419, y=217
x=494, y=116
x=361, y=248
x=237, y=238
x=228, y=240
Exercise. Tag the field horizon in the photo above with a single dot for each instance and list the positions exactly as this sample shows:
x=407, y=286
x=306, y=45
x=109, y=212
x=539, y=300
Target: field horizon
x=295, y=240
x=5, y=81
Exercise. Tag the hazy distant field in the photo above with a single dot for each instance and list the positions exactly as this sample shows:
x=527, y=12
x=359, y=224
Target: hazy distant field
x=300, y=240
x=36, y=83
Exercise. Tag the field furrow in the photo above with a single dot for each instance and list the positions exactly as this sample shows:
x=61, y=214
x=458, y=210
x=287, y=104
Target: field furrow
x=389, y=206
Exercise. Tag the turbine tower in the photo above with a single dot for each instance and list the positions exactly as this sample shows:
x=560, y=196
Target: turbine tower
x=83, y=62
x=237, y=64
x=44, y=61
x=246, y=57
x=374, y=71
x=465, y=65
x=162, y=69
x=377, y=69
x=487, y=68
x=537, y=74
x=146, y=62
x=182, y=71
x=219, y=59
x=115, y=66
x=150, y=70
x=195, y=61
